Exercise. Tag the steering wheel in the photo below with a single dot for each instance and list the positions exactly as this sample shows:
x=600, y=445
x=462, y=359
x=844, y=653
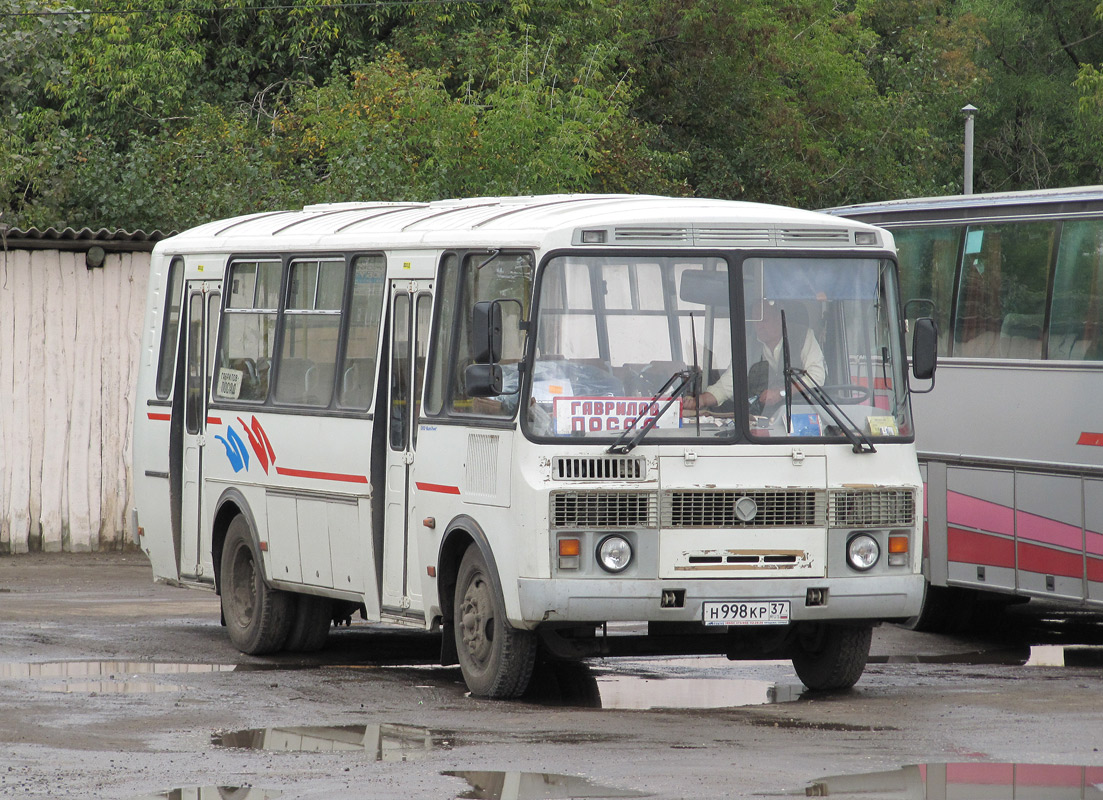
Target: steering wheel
x=848, y=394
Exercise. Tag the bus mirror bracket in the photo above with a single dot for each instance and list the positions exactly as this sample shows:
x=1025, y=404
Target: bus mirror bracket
x=924, y=351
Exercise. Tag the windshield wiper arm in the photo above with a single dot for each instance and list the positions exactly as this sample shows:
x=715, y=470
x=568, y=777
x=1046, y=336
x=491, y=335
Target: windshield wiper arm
x=688, y=378
x=818, y=395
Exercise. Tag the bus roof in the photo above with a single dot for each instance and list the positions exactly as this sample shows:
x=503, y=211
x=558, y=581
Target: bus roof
x=1035, y=202
x=534, y=221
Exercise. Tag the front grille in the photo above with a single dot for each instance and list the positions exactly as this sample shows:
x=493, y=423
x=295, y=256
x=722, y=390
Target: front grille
x=789, y=508
x=872, y=508
x=603, y=510
x=599, y=468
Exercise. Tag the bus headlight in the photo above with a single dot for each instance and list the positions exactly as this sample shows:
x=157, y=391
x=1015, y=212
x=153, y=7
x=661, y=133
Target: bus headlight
x=614, y=553
x=862, y=551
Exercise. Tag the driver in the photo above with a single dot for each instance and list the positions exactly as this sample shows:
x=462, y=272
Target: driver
x=808, y=357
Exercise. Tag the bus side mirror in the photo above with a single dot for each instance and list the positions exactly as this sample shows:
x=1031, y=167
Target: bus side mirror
x=483, y=380
x=924, y=348
x=486, y=332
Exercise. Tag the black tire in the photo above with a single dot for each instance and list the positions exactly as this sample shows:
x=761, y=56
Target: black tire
x=496, y=659
x=831, y=657
x=311, y=618
x=257, y=616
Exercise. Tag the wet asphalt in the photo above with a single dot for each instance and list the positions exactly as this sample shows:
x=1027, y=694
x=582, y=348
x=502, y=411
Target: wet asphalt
x=112, y=686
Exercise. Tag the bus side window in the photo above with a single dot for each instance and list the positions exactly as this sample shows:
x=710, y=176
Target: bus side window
x=505, y=276
x=357, y=373
x=1075, y=326
x=248, y=335
x=928, y=258
x=312, y=320
x=1002, y=292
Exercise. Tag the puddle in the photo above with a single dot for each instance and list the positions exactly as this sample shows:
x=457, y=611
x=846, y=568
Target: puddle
x=489, y=785
x=212, y=793
x=664, y=684
x=104, y=677
x=967, y=780
x=1042, y=655
x=386, y=742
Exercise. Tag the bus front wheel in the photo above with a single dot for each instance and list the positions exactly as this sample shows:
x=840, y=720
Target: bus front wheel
x=496, y=659
x=831, y=657
x=257, y=617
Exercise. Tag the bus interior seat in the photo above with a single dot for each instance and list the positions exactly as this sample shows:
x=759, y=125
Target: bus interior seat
x=319, y=384
x=291, y=380
x=356, y=382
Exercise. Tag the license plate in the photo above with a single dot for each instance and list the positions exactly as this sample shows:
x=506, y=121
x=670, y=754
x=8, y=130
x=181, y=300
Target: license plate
x=746, y=612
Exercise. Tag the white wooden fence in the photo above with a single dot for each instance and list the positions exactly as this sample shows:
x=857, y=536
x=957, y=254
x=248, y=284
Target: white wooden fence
x=69, y=344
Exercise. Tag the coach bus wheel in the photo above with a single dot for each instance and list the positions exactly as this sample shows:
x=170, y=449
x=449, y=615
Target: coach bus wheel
x=496, y=659
x=257, y=617
x=311, y=618
x=831, y=657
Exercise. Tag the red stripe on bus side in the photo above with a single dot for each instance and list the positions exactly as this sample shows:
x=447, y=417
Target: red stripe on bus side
x=1045, y=561
x=321, y=476
x=436, y=487
x=159, y=417
x=971, y=547
x=1094, y=439
x=214, y=420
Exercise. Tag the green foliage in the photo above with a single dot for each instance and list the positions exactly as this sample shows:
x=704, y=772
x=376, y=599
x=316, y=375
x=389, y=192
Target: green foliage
x=171, y=112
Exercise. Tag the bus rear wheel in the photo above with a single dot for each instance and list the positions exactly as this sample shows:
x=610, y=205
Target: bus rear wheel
x=311, y=618
x=495, y=658
x=831, y=657
x=257, y=617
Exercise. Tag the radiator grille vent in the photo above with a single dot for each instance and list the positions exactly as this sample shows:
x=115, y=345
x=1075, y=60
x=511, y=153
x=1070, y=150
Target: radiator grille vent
x=876, y=508
x=599, y=468
x=724, y=509
x=603, y=510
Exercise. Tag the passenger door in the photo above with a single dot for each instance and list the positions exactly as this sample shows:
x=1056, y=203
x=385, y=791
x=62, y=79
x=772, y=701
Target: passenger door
x=410, y=317
x=203, y=300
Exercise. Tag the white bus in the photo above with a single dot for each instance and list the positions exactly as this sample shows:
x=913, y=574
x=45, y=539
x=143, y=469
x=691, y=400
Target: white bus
x=491, y=416
x=1011, y=441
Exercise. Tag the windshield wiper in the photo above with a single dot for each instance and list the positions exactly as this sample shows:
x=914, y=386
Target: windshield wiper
x=688, y=380
x=818, y=395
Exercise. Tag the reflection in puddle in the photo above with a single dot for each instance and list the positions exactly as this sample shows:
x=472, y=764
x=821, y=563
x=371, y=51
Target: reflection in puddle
x=386, y=742
x=1041, y=655
x=114, y=677
x=966, y=781
x=489, y=785
x=213, y=793
x=576, y=684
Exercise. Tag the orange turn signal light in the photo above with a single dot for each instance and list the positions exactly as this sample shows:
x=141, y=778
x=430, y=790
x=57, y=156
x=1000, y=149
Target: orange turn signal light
x=898, y=544
x=570, y=547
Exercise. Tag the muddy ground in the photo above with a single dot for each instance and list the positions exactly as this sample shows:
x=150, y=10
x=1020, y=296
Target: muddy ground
x=114, y=687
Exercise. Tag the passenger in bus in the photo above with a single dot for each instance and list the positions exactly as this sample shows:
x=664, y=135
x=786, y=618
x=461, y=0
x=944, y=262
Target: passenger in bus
x=765, y=380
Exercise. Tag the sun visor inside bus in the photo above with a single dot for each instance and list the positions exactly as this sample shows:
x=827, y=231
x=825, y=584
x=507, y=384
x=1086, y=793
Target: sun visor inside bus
x=821, y=279
x=708, y=288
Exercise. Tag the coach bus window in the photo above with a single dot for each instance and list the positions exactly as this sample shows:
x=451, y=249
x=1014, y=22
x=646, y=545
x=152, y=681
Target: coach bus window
x=1002, y=290
x=167, y=365
x=1076, y=316
x=928, y=261
x=357, y=373
x=248, y=335
x=308, y=353
x=505, y=276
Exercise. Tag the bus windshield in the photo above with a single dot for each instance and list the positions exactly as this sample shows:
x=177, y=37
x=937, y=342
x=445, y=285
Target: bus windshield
x=617, y=337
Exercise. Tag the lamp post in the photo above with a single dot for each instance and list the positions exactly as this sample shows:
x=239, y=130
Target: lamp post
x=970, y=112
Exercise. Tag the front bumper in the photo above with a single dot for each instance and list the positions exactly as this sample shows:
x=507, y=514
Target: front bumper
x=867, y=598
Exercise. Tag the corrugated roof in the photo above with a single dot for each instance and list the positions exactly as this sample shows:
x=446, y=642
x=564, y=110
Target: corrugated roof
x=113, y=239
